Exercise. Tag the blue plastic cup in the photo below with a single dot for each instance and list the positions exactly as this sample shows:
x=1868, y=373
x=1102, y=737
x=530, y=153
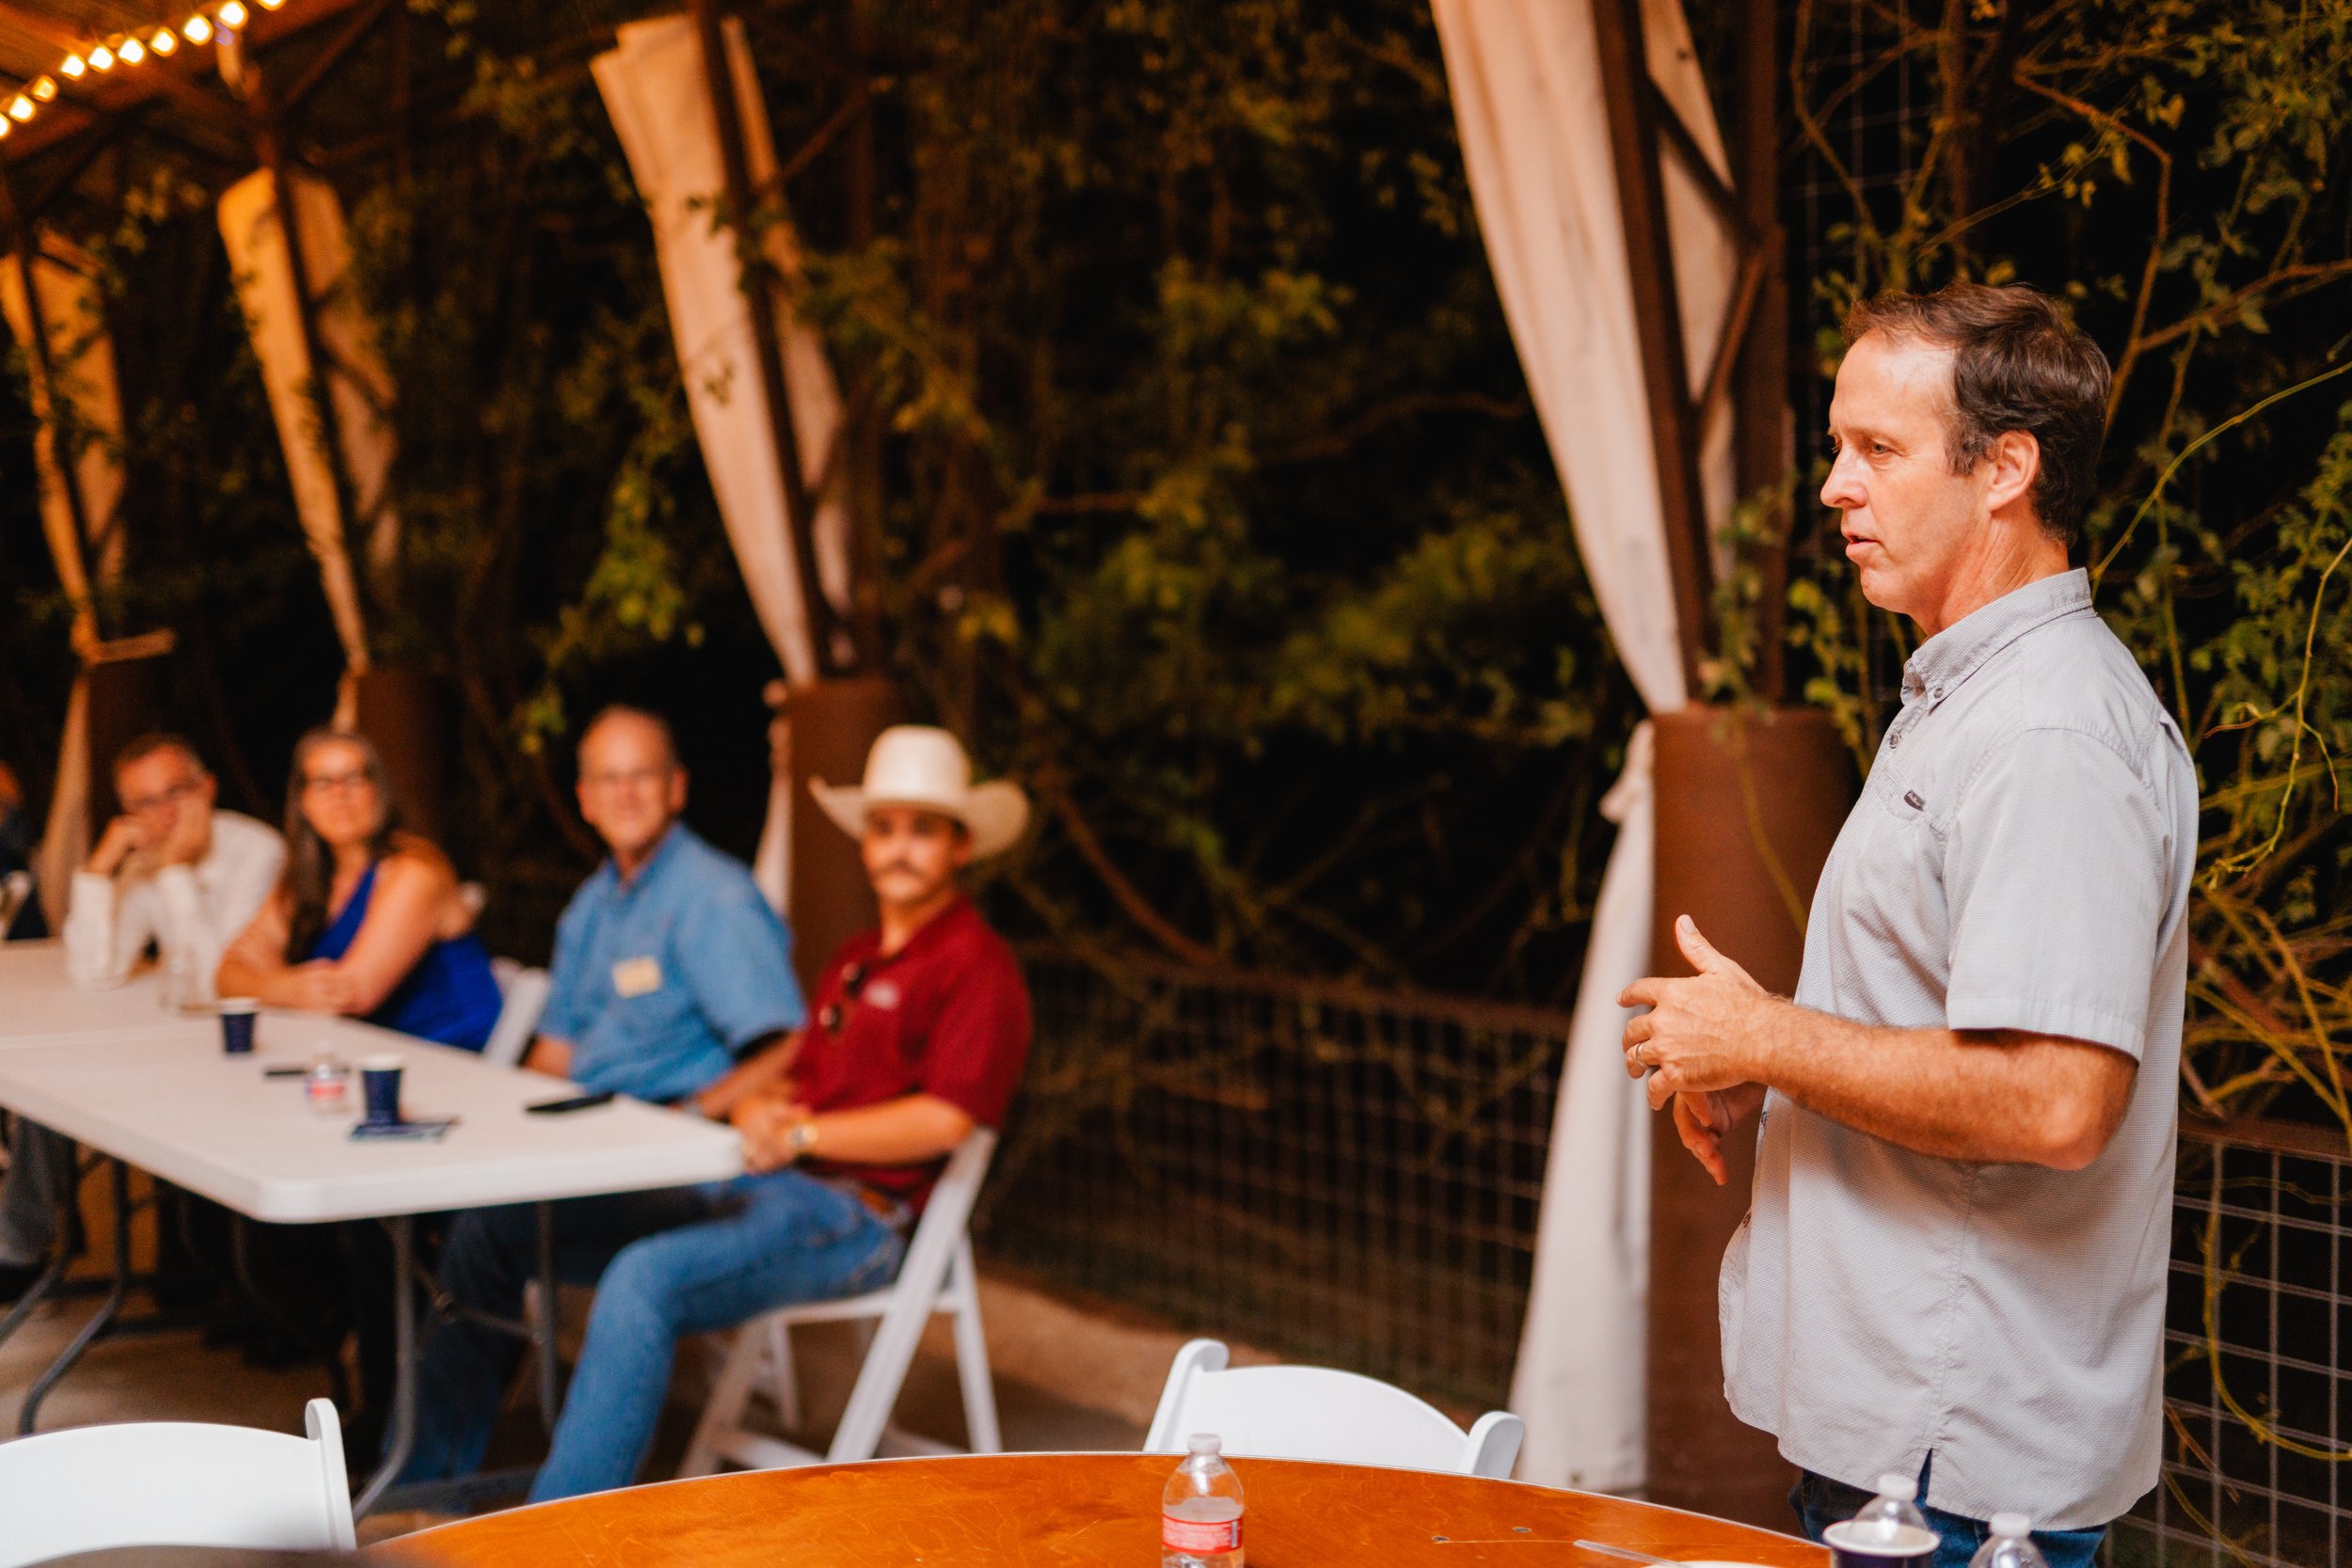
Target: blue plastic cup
x=236, y=1024
x=379, y=1087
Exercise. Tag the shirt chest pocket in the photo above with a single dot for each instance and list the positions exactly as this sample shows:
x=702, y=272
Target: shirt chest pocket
x=1892, y=873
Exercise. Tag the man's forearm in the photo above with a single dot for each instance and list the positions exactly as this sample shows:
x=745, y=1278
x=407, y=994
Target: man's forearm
x=1994, y=1096
x=903, y=1132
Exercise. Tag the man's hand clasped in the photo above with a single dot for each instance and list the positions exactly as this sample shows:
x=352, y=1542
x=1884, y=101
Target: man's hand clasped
x=771, y=1126
x=1703, y=1044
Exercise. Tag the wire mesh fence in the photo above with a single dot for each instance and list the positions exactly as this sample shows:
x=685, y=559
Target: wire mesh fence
x=1342, y=1175
x=2256, y=1393
x=1350, y=1177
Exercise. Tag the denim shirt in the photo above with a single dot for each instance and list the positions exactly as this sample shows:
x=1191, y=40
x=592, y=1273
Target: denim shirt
x=2019, y=858
x=657, y=981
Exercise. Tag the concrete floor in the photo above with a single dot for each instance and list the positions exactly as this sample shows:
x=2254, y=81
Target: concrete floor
x=1066, y=1377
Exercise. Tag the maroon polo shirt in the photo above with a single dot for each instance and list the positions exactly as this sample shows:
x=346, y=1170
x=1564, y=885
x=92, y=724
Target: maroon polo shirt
x=946, y=1015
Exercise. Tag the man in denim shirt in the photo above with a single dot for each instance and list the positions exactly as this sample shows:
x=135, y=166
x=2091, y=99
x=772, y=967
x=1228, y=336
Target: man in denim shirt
x=669, y=964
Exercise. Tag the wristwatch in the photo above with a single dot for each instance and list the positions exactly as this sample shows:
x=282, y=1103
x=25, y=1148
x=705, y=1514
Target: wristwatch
x=800, y=1138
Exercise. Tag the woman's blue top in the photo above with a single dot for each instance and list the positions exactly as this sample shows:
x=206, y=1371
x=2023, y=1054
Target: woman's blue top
x=449, y=997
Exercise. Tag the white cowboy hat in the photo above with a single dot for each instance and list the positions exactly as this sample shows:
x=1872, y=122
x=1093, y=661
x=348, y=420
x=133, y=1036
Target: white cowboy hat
x=917, y=765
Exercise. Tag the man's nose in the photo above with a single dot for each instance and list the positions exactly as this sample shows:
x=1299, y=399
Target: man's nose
x=1842, y=491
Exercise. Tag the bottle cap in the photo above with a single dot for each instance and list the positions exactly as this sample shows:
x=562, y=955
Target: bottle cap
x=2011, y=1524
x=1205, y=1442
x=1902, y=1488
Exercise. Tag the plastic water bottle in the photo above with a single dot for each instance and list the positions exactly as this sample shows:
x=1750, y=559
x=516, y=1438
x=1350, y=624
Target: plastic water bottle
x=2010, y=1546
x=1200, y=1510
x=1889, y=1532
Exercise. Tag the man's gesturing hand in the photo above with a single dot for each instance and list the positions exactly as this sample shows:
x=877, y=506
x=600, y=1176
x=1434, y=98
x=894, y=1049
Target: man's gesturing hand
x=1708, y=1031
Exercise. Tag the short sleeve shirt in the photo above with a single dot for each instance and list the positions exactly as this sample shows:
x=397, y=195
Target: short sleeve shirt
x=659, y=981
x=2019, y=858
x=947, y=1015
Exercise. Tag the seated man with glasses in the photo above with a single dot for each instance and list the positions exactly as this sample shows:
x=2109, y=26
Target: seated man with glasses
x=669, y=963
x=174, y=872
x=922, y=1029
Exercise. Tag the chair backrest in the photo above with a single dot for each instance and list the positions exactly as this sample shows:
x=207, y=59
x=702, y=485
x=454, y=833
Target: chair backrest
x=939, y=1236
x=1321, y=1414
x=526, y=998
x=174, y=1483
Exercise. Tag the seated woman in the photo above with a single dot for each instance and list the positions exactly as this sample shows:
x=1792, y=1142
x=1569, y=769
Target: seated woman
x=367, y=920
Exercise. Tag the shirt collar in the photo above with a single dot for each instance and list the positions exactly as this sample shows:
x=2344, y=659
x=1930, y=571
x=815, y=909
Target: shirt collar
x=672, y=836
x=1960, y=649
x=926, y=934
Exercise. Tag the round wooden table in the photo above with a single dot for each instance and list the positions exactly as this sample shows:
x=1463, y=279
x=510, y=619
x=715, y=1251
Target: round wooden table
x=1042, y=1511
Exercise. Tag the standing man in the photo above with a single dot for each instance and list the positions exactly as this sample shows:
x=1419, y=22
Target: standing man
x=920, y=1032
x=171, y=872
x=1953, y=1263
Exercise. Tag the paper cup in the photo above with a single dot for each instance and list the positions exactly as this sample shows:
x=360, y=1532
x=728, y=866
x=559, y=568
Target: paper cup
x=236, y=1024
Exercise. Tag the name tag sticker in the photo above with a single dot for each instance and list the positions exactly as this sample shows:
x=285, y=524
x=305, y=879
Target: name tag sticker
x=637, y=976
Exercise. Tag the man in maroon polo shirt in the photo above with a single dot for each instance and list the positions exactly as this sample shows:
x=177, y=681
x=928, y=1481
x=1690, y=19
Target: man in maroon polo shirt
x=919, y=1028
x=918, y=1036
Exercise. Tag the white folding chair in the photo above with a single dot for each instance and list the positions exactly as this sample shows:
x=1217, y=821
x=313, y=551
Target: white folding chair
x=936, y=1276
x=525, y=997
x=175, y=1483
x=1318, y=1413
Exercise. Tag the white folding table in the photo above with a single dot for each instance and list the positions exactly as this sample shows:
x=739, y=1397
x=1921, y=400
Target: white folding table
x=37, y=1001
x=163, y=1097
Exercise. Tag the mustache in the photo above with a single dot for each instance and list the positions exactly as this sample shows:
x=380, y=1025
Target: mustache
x=898, y=865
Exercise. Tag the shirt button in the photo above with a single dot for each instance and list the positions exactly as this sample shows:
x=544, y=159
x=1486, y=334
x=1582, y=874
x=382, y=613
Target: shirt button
x=1894, y=739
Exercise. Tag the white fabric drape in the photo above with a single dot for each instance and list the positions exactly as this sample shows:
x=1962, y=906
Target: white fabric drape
x=77, y=399
x=655, y=89
x=357, y=387
x=1526, y=82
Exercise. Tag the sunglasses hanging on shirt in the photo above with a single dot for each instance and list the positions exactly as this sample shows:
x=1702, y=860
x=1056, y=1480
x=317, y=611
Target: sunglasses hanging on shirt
x=852, y=981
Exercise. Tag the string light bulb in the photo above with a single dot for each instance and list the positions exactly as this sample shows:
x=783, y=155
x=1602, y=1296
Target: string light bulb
x=132, y=51
x=232, y=13
x=6, y=126
x=101, y=59
x=164, y=40
x=72, y=65
x=197, y=28
x=45, y=88
x=271, y=5
x=20, y=108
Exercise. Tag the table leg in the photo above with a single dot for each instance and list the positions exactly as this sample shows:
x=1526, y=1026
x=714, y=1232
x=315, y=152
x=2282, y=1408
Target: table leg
x=543, y=1329
x=46, y=1284
x=402, y=1440
x=100, y=1320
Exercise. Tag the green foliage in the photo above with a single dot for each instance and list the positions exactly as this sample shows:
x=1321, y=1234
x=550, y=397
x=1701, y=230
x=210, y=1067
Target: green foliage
x=2168, y=167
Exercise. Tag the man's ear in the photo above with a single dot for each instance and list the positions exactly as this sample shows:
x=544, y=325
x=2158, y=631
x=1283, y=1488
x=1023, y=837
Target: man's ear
x=2016, y=460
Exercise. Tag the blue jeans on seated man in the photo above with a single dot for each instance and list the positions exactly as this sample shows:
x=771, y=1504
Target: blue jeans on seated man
x=1820, y=1502
x=665, y=1264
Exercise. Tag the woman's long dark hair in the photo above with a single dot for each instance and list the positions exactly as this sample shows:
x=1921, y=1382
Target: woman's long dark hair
x=310, y=877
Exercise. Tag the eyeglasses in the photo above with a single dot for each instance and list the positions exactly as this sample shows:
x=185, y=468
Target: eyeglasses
x=852, y=981
x=625, y=778
x=162, y=798
x=336, y=783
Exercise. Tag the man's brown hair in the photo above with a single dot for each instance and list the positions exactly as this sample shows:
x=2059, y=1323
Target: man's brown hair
x=2017, y=364
x=140, y=748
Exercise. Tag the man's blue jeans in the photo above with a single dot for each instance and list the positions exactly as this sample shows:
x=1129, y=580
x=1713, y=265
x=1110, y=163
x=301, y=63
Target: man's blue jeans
x=1820, y=1502
x=665, y=1264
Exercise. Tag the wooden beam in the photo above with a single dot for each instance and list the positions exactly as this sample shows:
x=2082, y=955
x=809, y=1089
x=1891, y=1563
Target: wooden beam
x=1673, y=425
x=1763, y=448
x=767, y=339
x=126, y=87
x=291, y=104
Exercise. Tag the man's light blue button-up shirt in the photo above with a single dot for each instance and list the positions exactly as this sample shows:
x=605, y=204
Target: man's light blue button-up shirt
x=659, y=981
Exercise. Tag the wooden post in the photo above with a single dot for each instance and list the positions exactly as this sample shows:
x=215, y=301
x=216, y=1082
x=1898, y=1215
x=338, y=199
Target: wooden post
x=1762, y=455
x=1658, y=321
x=768, y=341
